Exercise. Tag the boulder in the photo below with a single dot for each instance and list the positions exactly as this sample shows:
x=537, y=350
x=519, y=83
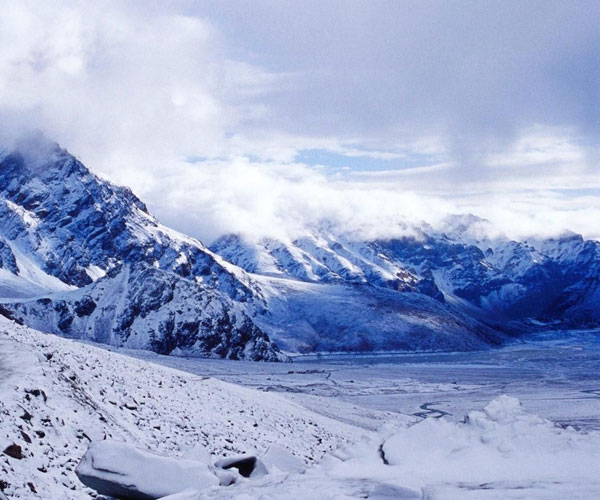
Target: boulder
x=283, y=460
x=14, y=451
x=246, y=465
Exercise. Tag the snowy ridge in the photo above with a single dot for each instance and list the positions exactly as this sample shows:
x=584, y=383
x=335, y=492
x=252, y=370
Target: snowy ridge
x=312, y=317
x=83, y=258
x=463, y=263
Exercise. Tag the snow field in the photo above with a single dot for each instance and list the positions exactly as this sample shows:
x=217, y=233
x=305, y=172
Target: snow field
x=57, y=395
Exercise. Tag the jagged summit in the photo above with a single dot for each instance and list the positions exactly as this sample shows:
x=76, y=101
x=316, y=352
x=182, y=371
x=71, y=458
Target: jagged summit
x=69, y=238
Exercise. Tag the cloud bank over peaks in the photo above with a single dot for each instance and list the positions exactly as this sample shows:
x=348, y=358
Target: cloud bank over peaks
x=273, y=119
x=286, y=201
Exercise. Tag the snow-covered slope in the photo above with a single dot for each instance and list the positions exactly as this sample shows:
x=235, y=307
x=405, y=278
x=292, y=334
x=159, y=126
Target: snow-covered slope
x=84, y=258
x=308, y=317
x=57, y=395
x=327, y=258
x=464, y=263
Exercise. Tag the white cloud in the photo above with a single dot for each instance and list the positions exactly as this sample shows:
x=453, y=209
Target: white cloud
x=135, y=89
x=287, y=200
x=119, y=85
x=284, y=201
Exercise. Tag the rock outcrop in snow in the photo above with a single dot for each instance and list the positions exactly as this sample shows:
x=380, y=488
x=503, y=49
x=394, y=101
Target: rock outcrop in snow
x=83, y=258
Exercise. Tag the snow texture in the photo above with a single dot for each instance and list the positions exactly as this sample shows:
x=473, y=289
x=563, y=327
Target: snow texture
x=83, y=258
x=58, y=395
x=119, y=470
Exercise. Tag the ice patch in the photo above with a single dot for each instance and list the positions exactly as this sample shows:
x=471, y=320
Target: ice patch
x=117, y=469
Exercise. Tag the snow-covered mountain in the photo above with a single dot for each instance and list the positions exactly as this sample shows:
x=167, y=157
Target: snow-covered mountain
x=83, y=258
x=331, y=294
x=463, y=264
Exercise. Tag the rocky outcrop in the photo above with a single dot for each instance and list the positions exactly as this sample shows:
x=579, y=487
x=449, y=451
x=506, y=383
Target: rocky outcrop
x=92, y=263
x=144, y=307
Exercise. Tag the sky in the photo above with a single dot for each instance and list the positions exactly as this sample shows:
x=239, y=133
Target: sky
x=267, y=117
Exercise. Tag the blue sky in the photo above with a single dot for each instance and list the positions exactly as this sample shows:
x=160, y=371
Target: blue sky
x=491, y=101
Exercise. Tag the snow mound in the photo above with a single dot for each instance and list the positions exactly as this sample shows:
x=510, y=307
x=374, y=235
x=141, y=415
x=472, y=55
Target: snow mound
x=278, y=458
x=120, y=470
x=500, y=444
x=498, y=453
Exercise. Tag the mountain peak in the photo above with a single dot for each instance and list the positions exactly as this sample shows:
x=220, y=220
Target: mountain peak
x=84, y=258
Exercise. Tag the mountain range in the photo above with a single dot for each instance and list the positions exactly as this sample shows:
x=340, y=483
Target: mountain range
x=83, y=258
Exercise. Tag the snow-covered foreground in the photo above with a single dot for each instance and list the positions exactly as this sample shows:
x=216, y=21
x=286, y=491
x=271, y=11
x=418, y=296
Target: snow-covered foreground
x=501, y=452
x=347, y=419
x=57, y=395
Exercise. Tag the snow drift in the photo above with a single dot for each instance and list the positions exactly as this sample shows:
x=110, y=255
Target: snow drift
x=498, y=453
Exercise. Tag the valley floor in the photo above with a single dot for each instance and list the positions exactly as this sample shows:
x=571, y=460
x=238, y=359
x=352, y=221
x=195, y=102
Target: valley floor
x=556, y=376
x=349, y=418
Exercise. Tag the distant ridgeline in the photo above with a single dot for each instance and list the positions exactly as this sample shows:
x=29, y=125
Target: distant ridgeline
x=83, y=258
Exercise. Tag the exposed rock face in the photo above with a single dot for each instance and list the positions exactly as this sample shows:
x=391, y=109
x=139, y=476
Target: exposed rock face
x=78, y=226
x=493, y=279
x=144, y=307
x=7, y=258
x=87, y=260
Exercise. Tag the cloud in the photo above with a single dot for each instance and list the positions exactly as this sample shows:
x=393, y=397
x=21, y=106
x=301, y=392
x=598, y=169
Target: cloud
x=284, y=201
x=118, y=83
x=207, y=111
x=471, y=72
